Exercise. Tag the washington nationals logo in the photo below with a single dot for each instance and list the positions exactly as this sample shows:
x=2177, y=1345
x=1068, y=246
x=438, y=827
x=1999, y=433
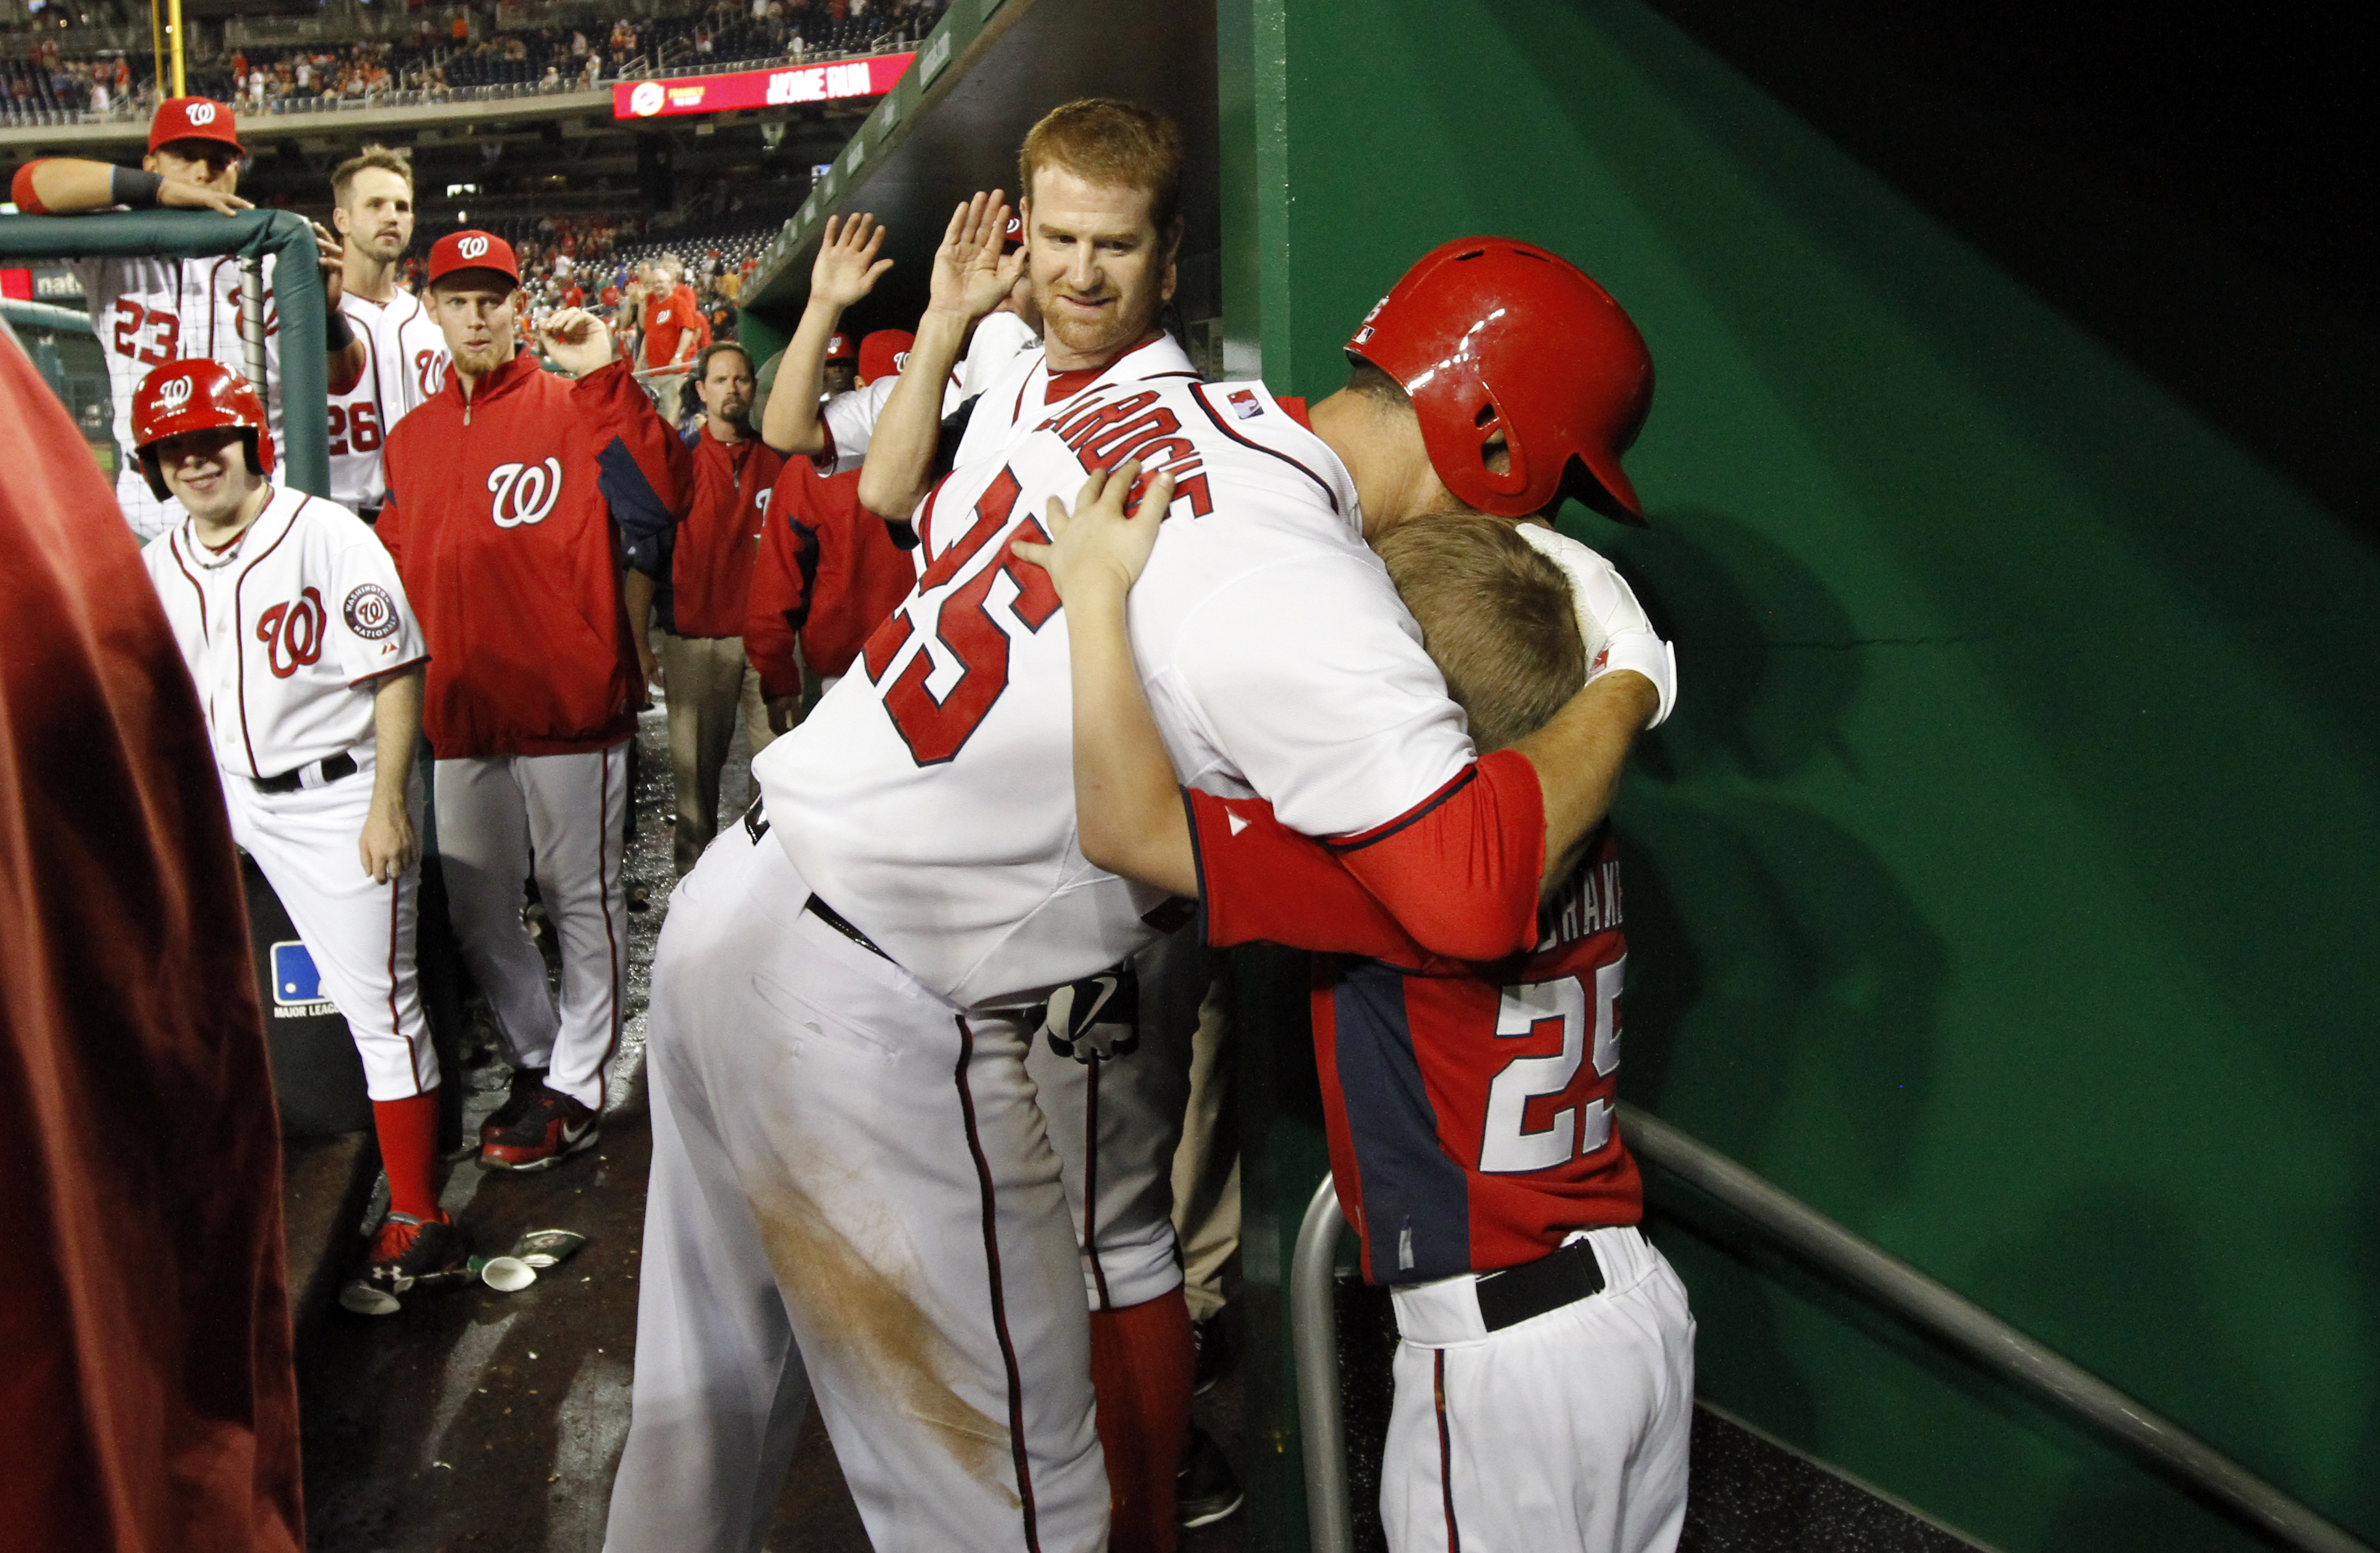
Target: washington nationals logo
x=473, y=247
x=292, y=634
x=174, y=393
x=202, y=114
x=524, y=493
x=370, y=611
x=430, y=366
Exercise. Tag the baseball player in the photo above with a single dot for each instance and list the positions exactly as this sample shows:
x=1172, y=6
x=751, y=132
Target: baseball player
x=147, y=312
x=701, y=616
x=387, y=352
x=827, y=573
x=840, y=372
x=308, y=665
x=1545, y=1386
x=513, y=496
x=847, y=1151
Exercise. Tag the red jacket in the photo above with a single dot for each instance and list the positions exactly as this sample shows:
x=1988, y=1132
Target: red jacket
x=510, y=519
x=711, y=566
x=827, y=575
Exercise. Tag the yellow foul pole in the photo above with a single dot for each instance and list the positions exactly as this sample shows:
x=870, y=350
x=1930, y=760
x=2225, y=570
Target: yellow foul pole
x=174, y=30
x=156, y=43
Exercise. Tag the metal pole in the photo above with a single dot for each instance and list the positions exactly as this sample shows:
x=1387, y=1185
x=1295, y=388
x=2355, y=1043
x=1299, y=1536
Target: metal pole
x=1958, y=1321
x=1314, y=1341
x=156, y=48
x=251, y=319
x=174, y=31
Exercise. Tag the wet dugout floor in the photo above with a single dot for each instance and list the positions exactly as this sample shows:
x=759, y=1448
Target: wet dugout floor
x=477, y=1419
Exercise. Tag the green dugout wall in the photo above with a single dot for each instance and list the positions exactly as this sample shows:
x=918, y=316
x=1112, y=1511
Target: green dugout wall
x=2003, y=885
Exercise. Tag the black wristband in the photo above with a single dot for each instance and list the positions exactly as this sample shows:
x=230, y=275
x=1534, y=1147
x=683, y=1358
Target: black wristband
x=130, y=185
x=336, y=333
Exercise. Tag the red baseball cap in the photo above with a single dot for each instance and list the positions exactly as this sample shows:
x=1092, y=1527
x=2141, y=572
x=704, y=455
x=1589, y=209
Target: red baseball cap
x=838, y=347
x=472, y=250
x=193, y=118
x=1012, y=234
x=884, y=353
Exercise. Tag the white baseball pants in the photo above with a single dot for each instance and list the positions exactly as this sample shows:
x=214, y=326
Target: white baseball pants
x=499, y=816
x=844, y=1163
x=1115, y=1124
x=359, y=934
x=1566, y=1431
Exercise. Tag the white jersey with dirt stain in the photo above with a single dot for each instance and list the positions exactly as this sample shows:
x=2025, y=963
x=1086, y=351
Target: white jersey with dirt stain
x=929, y=798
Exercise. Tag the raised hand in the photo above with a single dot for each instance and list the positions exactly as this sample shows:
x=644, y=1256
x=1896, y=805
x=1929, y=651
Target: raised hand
x=847, y=268
x=332, y=252
x=577, y=340
x=970, y=275
x=1099, y=546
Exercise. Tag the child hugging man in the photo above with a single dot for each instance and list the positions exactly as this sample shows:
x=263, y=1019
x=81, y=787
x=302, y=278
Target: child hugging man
x=1545, y=1379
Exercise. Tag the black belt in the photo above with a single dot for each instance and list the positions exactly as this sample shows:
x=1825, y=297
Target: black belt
x=834, y=920
x=1512, y=1296
x=333, y=769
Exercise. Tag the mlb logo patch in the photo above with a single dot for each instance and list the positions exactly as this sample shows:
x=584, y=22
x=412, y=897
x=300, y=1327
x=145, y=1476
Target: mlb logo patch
x=1244, y=404
x=295, y=979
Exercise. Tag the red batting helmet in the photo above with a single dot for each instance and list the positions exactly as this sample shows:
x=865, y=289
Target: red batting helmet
x=192, y=396
x=1489, y=335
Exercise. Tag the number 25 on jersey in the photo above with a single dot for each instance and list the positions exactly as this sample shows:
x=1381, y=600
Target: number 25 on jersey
x=1537, y=1117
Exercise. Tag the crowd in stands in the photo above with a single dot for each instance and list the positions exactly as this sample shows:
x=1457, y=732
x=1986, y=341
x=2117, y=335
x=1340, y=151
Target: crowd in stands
x=464, y=47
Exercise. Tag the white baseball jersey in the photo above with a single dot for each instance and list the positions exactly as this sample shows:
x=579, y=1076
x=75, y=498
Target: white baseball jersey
x=999, y=339
x=931, y=796
x=281, y=630
x=406, y=362
x=148, y=311
x=849, y=420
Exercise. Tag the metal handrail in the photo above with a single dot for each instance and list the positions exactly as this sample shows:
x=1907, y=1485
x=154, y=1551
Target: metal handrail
x=1925, y=1303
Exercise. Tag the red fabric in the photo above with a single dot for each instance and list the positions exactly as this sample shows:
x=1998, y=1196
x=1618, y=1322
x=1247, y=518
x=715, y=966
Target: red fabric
x=710, y=569
x=1459, y=873
x=827, y=575
x=1143, y=1365
x=408, y=1152
x=146, y=1396
x=666, y=322
x=20, y=190
x=1381, y=1000
x=530, y=651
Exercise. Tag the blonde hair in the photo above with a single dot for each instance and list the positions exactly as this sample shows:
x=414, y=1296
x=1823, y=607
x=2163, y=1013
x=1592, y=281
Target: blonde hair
x=1495, y=617
x=1108, y=140
x=386, y=158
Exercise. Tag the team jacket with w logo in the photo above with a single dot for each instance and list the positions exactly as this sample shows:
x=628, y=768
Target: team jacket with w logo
x=281, y=630
x=929, y=798
x=510, y=518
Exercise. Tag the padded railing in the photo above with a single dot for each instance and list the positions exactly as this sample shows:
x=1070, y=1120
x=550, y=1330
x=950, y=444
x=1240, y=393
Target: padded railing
x=1934, y=1309
x=250, y=235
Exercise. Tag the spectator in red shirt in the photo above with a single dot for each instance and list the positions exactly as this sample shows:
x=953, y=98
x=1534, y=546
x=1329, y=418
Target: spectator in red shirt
x=674, y=332
x=702, y=618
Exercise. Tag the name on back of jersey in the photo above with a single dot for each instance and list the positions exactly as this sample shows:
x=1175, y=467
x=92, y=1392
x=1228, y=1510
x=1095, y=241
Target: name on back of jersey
x=1110, y=427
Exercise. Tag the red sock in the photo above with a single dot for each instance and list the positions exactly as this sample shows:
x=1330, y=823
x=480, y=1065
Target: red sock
x=409, y=1151
x=1141, y=1370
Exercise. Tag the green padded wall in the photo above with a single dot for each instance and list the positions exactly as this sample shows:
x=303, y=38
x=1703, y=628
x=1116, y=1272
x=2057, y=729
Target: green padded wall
x=2003, y=886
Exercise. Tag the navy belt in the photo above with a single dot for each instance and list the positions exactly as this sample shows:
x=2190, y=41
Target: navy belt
x=333, y=769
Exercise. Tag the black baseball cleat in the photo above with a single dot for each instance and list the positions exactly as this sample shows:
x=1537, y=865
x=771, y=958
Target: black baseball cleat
x=416, y=1256
x=1212, y=1346
x=1205, y=1488
x=549, y=1129
x=527, y=1083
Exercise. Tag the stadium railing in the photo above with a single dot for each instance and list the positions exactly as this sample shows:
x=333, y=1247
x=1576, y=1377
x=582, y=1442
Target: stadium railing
x=251, y=235
x=1936, y=1311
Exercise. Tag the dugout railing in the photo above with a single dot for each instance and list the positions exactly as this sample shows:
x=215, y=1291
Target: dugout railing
x=304, y=375
x=1933, y=1310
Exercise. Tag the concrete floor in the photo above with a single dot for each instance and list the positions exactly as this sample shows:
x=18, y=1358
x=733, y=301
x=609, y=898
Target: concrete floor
x=478, y=1419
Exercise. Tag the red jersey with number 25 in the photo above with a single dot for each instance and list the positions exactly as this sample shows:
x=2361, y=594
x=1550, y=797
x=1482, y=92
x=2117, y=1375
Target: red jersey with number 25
x=1468, y=1105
